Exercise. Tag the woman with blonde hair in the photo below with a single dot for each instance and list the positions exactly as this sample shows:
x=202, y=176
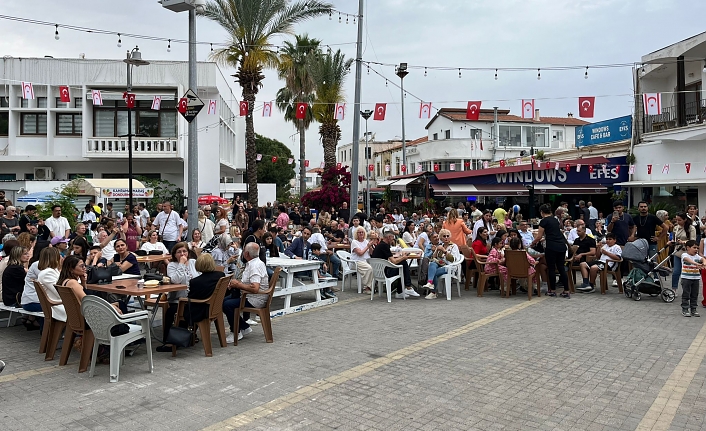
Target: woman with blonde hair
x=206, y=226
x=360, y=253
x=441, y=255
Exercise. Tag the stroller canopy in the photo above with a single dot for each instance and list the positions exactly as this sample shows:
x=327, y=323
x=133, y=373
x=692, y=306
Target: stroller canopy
x=637, y=251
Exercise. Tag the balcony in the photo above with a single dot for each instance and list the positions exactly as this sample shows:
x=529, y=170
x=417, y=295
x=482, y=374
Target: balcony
x=694, y=113
x=143, y=148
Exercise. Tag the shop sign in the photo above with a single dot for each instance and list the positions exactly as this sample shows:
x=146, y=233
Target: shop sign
x=604, y=132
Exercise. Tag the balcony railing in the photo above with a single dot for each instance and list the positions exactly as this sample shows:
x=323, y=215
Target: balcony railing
x=694, y=113
x=141, y=147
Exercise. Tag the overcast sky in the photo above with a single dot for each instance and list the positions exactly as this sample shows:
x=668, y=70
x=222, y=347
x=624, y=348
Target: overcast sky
x=454, y=33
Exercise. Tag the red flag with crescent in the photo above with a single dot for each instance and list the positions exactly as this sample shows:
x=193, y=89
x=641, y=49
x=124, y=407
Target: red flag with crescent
x=301, y=111
x=338, y=166
x=568, y=167
x=129, y=100
x=586, y=105
x=688, y=167
x=274, y=159
x=528, y=108
x=502, y=163
x=380, y=109
x=340, y=112
x=425, y=110
x=183, y=102
x=473, y=110
x=403, y=168
x=371, y=168
x=649, y=169
x=617, y=169
x=436, y=168
x=306, y=163
x=652, y=103
x=64, y=94
x=243, y=108
x=590, y=169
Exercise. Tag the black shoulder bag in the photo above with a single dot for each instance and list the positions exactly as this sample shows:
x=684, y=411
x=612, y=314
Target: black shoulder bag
x=182, y=337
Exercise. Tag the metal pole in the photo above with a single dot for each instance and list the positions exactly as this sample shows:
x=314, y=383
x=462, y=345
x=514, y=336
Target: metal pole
x=404, y=142
x=356, y=118
x=192, y=150
x=367, y=169
x=129, y=137
x=531, y=191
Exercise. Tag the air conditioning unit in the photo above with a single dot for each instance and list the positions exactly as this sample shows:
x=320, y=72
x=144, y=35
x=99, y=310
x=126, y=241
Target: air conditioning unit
x=43, y=173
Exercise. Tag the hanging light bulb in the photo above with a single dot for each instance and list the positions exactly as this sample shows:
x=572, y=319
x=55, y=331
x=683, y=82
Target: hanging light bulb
x=368, y=69
x=346, y=19
x=386, y=83
x=120, y=41
x=585, y=75
x=169, y=46
x=405, y=94
x=211, y=47
x=496, y=74
x=459, y=73
x=354, y=19
x=339, y=17
x=425, y=71
x=56, y=32
x=704, y=70
x=539, y=75
x=329, y=16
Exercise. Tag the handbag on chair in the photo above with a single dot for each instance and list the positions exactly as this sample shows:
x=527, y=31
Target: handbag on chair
x=182, y=337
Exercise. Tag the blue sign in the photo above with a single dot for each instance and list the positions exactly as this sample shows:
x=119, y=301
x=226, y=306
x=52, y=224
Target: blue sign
x=617, y=129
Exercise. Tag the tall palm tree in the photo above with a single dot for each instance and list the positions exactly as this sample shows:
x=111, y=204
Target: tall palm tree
x=329, y=72
x=251, y=25
x=299, y=88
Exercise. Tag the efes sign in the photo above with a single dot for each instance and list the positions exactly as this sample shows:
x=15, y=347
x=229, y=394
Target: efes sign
x=617, y=129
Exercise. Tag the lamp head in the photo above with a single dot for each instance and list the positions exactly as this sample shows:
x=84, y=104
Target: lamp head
x=134, y=58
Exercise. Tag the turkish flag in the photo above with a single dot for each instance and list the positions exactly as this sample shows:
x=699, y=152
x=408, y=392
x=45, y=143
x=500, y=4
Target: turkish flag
x=301, y=111
x=590, y=169
x=338, y=166
x=688, y=167
x=436, y=167
x=371, y=168
x=649, y=169
x=468, y=164
x=380, y=109
x=568, y=167
x=403, y=168
x=617, y=169
x=274, y=159
x=502, y=163
x=473, y=110
x=528, y=108
x=182, y=105
x=549, y=165
x=586, y=106
x=306, y=163
x=244, y=108
x=129, y=100
x=64, y=93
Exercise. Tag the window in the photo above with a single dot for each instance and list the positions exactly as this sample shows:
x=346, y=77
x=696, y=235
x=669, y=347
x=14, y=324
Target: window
x=29, y=177
x=75, y=176
x=4, y=102
x=510, y=136
x=33, y=124
x=558, y=135
x=536, y=136
x=60, y=104
x=4, y=118
x=435, y=137
x=369, y=153
x=41, y=102
x=447, y=134
x=69, y=124
x=8, y=177
x=24, y=103
x=476, y=133
x=111, y=120
x=78, y=102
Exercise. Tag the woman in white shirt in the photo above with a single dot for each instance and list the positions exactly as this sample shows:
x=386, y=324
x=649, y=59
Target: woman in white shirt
x=196, y=242
x=49, y=265
x=423, y=237
x=206, y=227
x=221, y=222
x=409, y=237
x=153, y=244
x=360, y=253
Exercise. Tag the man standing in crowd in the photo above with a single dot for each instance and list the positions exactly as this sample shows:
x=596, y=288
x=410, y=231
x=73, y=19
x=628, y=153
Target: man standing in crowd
x=620, y=224
x=144, y=215
x=58, y=225
x=584, y=212
x=646, y=226
x=110, y=213
x=29, y=215
x=294, y=217
x=168, y=225
x=593, y=216
x=344, y=212
x=258, y=229
x=475, y=213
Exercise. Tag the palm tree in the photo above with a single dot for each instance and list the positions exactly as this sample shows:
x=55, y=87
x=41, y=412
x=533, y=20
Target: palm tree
x=251, y=25
x=299, y=88
x=329, y=72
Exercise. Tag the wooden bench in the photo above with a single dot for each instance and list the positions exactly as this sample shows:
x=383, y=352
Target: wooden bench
x=15, y=310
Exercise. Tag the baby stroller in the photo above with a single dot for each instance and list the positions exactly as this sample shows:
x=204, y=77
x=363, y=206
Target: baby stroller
x=645, y=276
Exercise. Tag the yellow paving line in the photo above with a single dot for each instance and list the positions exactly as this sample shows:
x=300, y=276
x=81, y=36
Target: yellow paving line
x=315, y=388
x=27, y=374
x=664, y=408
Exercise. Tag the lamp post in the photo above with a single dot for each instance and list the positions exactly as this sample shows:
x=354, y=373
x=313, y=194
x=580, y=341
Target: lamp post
x=366, y=115
x=133, y=58
x=402, y=72
x=531, y=187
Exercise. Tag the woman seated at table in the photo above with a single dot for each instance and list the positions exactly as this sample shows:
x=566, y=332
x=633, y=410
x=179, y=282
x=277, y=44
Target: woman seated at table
x=181, y=270
x=360, y=253
x=79, y=247
x=153, y=243
x=444, y=253
x=196, y=243
x=13, y=278
x=49, y=267
x=270, y=246
x=226, y=253
x=201, y=287
x=480, y=245
x=125, y=259
x=409, y=236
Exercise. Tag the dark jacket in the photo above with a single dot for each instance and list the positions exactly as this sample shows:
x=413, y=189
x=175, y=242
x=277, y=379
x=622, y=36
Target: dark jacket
x=201, y=287
x=296, y=248
x=13, y=284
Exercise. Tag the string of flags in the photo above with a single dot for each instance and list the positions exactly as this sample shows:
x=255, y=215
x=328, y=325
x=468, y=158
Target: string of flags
x=586, y=108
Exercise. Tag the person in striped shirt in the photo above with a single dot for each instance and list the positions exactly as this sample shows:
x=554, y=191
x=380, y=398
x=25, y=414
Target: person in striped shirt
x=692, y=263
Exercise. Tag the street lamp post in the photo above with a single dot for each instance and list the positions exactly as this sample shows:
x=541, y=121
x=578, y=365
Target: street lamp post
x=133, y=58
x=402, y=72
x=366, y=115
x=531, y=187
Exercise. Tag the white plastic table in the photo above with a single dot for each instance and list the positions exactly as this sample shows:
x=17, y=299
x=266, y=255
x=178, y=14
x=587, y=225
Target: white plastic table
x=289, y=285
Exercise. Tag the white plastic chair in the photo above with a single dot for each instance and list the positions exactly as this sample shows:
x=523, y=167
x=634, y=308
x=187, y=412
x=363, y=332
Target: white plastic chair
x=101, y=317
x=379, y=276
x=349, y=268
x=453, y=272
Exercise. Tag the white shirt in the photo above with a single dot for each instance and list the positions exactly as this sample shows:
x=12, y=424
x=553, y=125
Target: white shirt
x=168, y=225
x=527, y=238
x=48, y=278
x=58, y=226
x=361, y=245
x=475, y=215
x=616, y=250
x=593, y=212
x=144, y=218
x=256, y=272
x=480, y=223
x=108, y=251
x=148, y=246
x=29, y=294
x=89, y=216
x=421, y=235
x=573, y=235
x=318, y=239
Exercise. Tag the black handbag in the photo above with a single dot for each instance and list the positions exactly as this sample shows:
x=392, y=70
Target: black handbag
x=181, y=337
x=115, y=270
x=149, y=276
x=98, y=275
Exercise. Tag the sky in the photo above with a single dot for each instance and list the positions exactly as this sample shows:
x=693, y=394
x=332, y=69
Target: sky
x=432, y=33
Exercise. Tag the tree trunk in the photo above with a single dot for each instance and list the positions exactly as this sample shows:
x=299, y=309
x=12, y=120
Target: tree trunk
x=330, y=135
x=250, y=150
x=302, y=157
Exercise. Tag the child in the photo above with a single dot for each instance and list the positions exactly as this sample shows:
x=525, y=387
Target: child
x=690, y=266
x=319, y=255
x=589, y=270
x=496, y=259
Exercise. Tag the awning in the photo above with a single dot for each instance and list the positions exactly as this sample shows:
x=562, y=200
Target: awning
x=401, y=185
x=109, y=94
x=665, y=182
x=515, y=189
x=385, y=183
x=93, y=186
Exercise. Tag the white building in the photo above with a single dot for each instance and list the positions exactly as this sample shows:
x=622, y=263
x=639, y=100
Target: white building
x=45, y=139
x=675, y=139
x=312, y=180
x=344, y=156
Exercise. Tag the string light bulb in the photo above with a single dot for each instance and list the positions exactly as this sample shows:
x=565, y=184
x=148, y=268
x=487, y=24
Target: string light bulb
x=368, y=68
x=585, y=75
x=425, y=71
x=211, y=47
x=386, y=83
x=496, y=74
x=539, y=75
x=329, y=16
x=120, y=41
x=704, y=70
x=459, y=73
x=169, y=46
x=354, y=19
x=346, y=19
x=339, y=18
x=643, y=72
x=56, y=32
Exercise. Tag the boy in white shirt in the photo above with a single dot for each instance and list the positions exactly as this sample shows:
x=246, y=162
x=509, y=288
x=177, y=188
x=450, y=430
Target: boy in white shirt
x=691, y=264
x=610, y=250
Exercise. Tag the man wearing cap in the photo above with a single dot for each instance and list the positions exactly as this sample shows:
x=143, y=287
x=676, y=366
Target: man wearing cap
x=61, y=244
x=58, y=225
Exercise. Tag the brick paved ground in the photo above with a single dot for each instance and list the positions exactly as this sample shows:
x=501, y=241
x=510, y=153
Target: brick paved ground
x=591, y=363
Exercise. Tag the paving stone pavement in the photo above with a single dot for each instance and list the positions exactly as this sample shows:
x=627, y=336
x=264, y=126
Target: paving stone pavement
x=589, y=363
